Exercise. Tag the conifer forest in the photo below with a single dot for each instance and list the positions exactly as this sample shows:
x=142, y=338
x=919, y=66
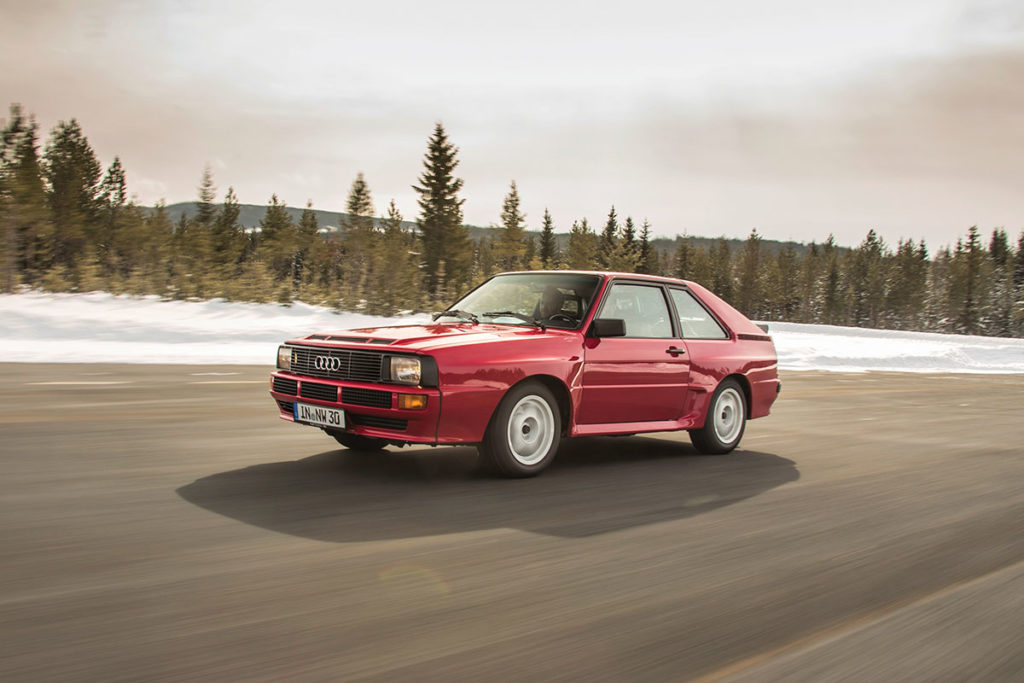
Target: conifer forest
x=68, y=224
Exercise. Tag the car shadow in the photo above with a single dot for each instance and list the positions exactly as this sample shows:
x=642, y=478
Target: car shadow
x=596, y=485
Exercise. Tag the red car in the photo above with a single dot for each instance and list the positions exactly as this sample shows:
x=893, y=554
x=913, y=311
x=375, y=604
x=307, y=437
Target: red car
x=529, y=358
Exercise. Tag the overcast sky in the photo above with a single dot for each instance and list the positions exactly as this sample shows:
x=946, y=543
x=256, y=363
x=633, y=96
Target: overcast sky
x=797, y=117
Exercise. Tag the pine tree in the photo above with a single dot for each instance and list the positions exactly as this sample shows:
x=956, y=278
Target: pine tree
x=867, y=280
x=114, y=188
x=581, y=251
x=646, y=262
x=783, y=287
x=1017, y=319
x=999, y=247
x=278, y=247
x=548, y=246
x=831, y=297
x=206, y=211
x=113, y=196
x=24, y=216
x=72, y=175
x=447, y=252
x=629, y=233
x=749, y=289
x=1018, y=263
x=937, y=295
x=971, y=255
x=227, y=238
x=624, y=255
x=396, y=283
x=485, y=261
x=683, y=259
x=195, y=245
x=510, y=244
x=358, y=223
x=154, y=255
x=609, y=240
x=360, y=241
x=307, y=235
x=530, y=261
x=906, y=297
x=721, y=278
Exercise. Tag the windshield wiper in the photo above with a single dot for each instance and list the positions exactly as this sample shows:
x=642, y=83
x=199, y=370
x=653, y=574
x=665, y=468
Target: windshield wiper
x=456, y=313
x=512, y=314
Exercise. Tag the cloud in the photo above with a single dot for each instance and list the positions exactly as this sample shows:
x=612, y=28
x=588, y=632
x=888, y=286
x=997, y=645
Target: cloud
x=689, y=130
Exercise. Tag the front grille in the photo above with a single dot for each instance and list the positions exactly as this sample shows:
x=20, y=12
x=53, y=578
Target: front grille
x=286, y=407
x=366, y=397
x=359, y=366
x=285, y=386
x=322, y=392
x=378, y=422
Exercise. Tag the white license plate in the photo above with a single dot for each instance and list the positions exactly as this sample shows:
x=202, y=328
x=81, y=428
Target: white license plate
x=319, y=416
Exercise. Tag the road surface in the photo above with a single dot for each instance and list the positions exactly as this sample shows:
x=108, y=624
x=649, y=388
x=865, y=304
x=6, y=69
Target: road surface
x=160, y=523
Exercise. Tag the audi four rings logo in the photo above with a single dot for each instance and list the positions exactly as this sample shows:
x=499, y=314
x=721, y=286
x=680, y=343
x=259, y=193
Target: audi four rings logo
x=327, y=363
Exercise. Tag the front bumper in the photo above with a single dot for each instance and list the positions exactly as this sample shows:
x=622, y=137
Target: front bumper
x=370, y=409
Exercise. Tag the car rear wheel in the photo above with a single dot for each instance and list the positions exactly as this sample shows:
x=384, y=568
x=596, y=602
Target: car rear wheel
x=357, y=442
x=725, y=422
x=524, y=433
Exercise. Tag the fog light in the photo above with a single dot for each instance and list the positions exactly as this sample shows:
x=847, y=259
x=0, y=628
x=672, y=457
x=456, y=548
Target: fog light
x=412, y=401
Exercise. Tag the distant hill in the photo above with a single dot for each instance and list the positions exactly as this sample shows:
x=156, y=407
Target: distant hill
x=251, y=214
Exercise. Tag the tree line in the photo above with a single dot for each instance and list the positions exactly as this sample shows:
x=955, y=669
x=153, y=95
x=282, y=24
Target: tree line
x=70, y=225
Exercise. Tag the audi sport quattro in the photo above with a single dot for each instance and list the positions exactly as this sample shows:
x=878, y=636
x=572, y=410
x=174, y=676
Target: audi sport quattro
x=529, y=358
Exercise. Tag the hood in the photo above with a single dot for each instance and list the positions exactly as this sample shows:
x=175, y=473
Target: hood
x=425, y=337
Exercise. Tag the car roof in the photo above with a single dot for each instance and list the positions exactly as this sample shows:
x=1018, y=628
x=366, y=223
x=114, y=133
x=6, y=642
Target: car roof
x=601, y=273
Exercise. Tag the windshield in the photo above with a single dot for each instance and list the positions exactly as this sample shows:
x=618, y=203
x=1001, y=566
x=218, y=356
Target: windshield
x=539, y=299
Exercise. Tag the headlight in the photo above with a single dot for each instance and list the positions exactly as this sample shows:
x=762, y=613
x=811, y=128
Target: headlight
x=405, y=370
x=284, y=358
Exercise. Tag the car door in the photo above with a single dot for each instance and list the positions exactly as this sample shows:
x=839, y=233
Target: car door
x=641, y=377
x=708, y=344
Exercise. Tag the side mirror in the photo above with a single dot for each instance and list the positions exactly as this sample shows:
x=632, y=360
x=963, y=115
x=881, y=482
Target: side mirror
x=608, y=327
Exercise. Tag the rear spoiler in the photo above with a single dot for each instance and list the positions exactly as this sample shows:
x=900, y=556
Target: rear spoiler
x=763, y=326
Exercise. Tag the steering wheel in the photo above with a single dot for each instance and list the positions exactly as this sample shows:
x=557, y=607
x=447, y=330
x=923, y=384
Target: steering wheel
x=562, y=316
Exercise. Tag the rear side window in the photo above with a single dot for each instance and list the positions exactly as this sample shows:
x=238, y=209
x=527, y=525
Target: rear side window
x=694, y=320
x=642, y=307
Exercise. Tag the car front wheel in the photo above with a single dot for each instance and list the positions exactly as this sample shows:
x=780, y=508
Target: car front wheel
x=725, y=421
x=524, y=433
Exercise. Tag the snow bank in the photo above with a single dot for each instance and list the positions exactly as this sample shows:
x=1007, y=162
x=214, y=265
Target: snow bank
x=101, y=327
x=855, y=349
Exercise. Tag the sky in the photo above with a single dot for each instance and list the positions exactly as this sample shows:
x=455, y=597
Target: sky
x=798, y=118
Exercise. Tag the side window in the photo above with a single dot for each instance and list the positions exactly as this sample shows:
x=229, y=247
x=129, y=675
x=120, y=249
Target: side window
x=643, y=308
x=694, y=320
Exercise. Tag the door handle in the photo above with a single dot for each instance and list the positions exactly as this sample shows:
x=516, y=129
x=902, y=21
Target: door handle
x=674, y=351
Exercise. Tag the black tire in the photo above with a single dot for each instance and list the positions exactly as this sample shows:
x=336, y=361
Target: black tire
x=357, y=442
x=516, y=443
x=725, y=422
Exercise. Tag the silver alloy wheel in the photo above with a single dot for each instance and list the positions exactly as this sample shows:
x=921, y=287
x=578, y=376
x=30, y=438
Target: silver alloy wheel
x=531, y=429
x=728, y=415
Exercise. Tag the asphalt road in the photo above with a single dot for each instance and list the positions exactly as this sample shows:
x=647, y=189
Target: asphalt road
x=160, y=523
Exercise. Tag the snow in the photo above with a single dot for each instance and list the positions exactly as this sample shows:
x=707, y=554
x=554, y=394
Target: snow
x=103, y=328
x=99, y=327
x=855, y=349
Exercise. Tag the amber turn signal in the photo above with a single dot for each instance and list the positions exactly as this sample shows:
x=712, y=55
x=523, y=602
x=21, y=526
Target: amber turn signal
x=412, y=401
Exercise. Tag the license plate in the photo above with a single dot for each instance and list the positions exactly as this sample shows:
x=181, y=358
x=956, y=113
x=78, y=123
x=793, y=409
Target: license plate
x=319, y=416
